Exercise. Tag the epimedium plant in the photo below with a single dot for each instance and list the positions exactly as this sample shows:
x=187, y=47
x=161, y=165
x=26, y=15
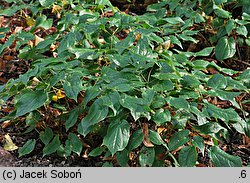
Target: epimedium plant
x=134, y=81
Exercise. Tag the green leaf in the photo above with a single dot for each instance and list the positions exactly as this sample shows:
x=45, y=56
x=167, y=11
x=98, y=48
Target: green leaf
x=188, y=156
x=242, y=30
x=7, y=44
x=64, y=151
x=175, y=40
x=234, y=84
x=161, y=116
x=96, y=152
x=217, y=81
x=75, y=143
x=226, y=95
x=205, y=52
x=199, y=142
x=230, y=26
x=27, y=148
x=222, y=13
x=178, y=139
x=73, y=115
x=52, y=146
x=97, y=112
x=225, y=114
x=178, y=103
x=107, y=164
x=135, y=140
x=91, y=93
x=187, y=38
x=122, y=158
x=218, y=2
x=126, y=43
x=117, y=136
x=137, y=106
x=242, y=127
x=174, y=20
x=246, y=16
x=148, y=95
x=43, y=22
x=32, y=118
x=147, y=156
x=190, y=81
x=29, y=101
x=163, y=86
x=46, y=3
x=209, y=128
x=225, y=48
x=46, y=135
x=85, y=53
x=221, y=159
x=67, y=42
x=244, y=76
x=46, y=43
x=73, y=85
x=11, y=11
x=155, y=138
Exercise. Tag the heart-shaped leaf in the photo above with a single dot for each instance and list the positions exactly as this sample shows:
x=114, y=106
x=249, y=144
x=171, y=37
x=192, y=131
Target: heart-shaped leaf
x=221, y=159
x=117, y=136
x=52, y=146
x=226, y=48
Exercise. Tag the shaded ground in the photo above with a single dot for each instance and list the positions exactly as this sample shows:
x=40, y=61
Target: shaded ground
x=36, y=159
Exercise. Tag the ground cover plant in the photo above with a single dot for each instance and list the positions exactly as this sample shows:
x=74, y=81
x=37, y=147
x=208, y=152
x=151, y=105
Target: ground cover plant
x=166, y=86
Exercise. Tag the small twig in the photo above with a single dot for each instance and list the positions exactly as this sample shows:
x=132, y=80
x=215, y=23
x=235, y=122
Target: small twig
x=238, y=50
x=244, y=62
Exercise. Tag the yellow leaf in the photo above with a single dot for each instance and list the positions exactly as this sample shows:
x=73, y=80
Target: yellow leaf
x=65, y=2
x=9, y=145
x=30, y=21
x=38, y=40
x=54, y=98
x=56, y=9
x=166, y=45
x=58, y=96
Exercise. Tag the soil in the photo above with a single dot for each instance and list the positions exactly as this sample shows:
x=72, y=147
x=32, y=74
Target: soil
x=36, y=159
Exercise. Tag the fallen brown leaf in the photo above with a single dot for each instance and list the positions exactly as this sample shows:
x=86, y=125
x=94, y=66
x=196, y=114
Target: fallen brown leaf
x=145, y=132
x=5, y=124
x=246, y=142
x=8, y=57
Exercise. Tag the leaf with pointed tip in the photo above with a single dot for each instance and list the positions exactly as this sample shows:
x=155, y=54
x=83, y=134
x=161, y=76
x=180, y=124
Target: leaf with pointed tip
x=75, y=143
x=178, y=139
x=221, y=159
x=46, y=135
x=117, y=136
x=52, y=146
x=73, y=85
x=97, y=112
x=161, y=116
x=225, y=48
x=29, y=101
x=135, y=140
x=27, y=148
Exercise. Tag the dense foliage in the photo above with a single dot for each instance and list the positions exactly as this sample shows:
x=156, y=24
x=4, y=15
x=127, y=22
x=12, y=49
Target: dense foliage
x=148, y=90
